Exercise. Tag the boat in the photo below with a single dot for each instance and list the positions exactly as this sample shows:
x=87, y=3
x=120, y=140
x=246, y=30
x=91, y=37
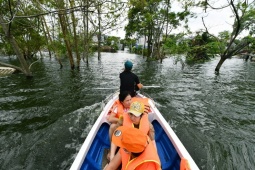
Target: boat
x=6, y=70
x=92, y=154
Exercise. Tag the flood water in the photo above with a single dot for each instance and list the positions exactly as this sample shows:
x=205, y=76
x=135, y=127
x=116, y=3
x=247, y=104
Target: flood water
x=44, y=120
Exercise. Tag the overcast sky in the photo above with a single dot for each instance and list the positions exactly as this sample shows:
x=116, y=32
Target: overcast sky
x=215, y=20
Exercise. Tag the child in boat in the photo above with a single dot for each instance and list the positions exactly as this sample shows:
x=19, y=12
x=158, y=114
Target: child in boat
x=128, y=80
x=137, y=151
x=137, y=117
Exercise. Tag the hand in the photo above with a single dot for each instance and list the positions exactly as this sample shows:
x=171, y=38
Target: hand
x=121, y=118
x=146, y=109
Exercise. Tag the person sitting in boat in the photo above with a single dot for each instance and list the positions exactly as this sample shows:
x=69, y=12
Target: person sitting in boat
x=137, y=117
x=129, y=81
x=119, y=107
x=136, y=152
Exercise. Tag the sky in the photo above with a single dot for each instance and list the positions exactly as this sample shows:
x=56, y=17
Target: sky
x=216, y=21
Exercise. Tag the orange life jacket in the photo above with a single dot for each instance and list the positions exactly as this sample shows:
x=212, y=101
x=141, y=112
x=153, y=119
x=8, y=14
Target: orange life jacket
x=184, y=164
x=148, y=160
x=144, y=124
x=120, y=109
x=145, y=101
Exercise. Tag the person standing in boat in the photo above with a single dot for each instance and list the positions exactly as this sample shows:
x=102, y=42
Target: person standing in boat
x=137, y=151
x=128, y=80
x=137, y=117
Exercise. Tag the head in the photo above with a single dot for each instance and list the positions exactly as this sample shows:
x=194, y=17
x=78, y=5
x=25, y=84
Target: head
x=136, y=111
x=124, y=137
x=128, y=65
x=125, y=98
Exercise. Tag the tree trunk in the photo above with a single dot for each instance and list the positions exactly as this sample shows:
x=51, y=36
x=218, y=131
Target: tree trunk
x=99, y=32
x=23, y=62
x=167, y=19
x=46, y=34
x=149, y=49
x=222, y=59
x=65, y=35
x=86, y=32
x=78, y=60
x=49, y=39
x=144, y=44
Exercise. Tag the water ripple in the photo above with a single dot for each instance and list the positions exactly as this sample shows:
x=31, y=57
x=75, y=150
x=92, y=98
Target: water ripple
x=213, y=115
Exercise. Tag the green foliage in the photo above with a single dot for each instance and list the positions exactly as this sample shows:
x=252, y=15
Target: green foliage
x=201, y=47
x=25, y=30
x=250, y=48
x=113, y=42
x=130, y=42
x=214, y=47
x=137, y=49
x=26, y=35
x=175, y=44
x=249, y=20
x=224, y=36
x=6, y=49
x=59, y=47
x=153, y=18
x=198, y=49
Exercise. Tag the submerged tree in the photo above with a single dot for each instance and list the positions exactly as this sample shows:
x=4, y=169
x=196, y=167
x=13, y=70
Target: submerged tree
x=16, y=38
x=154, y=20
x=197, y=50
x=61, y=27
x=244, y=17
